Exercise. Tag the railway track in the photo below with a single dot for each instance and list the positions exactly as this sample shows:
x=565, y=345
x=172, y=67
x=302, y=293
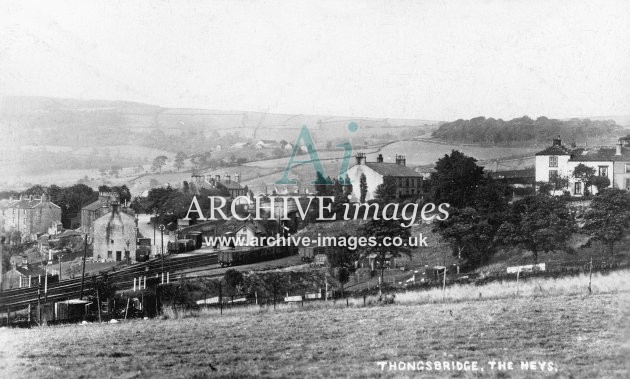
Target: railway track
x=121, y=278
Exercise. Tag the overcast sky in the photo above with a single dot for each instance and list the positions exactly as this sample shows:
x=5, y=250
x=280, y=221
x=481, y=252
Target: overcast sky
x=400, y=59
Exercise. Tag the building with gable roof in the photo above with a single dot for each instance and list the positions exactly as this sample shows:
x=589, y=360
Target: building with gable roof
x=558, y=160
x=408, y=181
x=115, y=236
x=96, y=209
x=31, y=216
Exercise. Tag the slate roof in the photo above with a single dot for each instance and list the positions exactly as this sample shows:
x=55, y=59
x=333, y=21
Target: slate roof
x=30, y=270
x=28, y=204
x=555, y=150
x=256, y=227
x=392, y=169
x=231, y=185
x=606, y=154
x=98, y=204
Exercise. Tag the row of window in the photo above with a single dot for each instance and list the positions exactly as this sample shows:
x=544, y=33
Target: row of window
x=553, y=162
x=602, y=171
x=577, y=189
x=408, y=182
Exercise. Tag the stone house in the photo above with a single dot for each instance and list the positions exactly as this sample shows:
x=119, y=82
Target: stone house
x=115, y=236
x=31, y=215
x=96, y=209
x=408, y=182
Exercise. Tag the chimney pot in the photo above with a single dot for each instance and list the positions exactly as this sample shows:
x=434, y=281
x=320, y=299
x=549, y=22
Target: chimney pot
x=557, y=141
x=360, y=158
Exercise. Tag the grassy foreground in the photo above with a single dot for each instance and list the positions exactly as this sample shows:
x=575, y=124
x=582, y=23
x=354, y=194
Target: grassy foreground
x=584, y=336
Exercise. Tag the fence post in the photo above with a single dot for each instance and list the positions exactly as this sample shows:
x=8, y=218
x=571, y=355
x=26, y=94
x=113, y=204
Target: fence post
x=590, y=276
x=256, y=296
x=220, y=298
x=444, y=285
x=274, y=295
x=98, y=302
x=126, y=309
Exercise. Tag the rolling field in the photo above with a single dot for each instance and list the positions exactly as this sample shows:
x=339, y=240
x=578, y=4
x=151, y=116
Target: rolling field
x=583, y=337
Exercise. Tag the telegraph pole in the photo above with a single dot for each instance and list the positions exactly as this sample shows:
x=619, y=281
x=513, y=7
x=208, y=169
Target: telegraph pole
x=162, y=251
x=83, y=271
x=1, y=242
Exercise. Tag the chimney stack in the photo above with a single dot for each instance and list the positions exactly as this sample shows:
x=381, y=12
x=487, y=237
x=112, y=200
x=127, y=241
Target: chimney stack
x=379, y=159
x=401, y=160
x=227, y=178
x=557, y=141
x=618, y=148
x=237, y=177
x=360, y=158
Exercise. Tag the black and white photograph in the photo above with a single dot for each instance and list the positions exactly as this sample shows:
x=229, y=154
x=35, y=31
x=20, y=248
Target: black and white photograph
x=315, y=189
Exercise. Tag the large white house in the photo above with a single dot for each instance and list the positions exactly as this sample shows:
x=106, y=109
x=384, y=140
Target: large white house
x=558, y=160
x=408, y=181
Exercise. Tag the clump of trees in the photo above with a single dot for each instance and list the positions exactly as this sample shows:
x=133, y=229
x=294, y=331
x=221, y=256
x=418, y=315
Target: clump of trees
x=608, y=218
x=478, y=206
x=537, y=223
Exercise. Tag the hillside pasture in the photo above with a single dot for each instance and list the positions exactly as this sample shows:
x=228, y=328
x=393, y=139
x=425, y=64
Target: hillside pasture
x=428, y=152
x=583, y=337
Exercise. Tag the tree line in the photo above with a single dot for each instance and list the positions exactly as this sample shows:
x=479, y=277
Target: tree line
x=523, y=130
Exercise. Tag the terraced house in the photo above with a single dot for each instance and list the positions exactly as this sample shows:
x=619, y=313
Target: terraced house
x=30, y=215
x=560, y=161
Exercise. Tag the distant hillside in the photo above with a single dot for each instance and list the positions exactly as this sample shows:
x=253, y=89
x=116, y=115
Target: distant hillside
x=97, y=123
x=43, y=139
x=525, y=130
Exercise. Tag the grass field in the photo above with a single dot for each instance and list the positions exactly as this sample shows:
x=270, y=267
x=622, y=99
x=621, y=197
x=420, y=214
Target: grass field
x=584, y=337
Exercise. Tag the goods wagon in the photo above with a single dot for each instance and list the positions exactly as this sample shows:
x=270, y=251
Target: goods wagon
x=196, y=237
x=143, y=253
x=253, y=255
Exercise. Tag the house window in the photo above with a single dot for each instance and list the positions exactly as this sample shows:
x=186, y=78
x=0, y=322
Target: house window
x=627, y=168
x=578, y=188
x=407, y=182
x=553, y=161
x=553, y=174
x=628, y=184
x=603, y=171
x=109, y=254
